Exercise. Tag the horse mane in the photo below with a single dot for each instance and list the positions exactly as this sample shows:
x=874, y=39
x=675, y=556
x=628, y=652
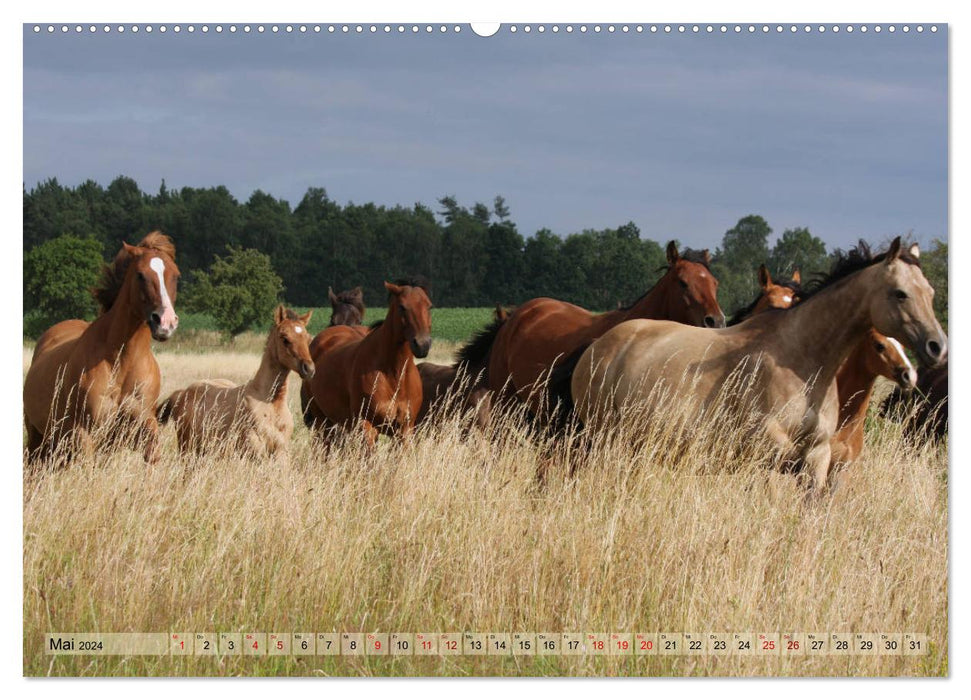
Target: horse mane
x=848, y=262
x=376, y=324
x=475, y=352
x=113, y=274
x=415, y=281
x=743, y=314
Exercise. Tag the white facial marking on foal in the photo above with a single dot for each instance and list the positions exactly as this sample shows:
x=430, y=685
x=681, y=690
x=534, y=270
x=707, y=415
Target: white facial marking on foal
x=297, y=329
x=787, y=299
x=158, y=265
x=896, y=344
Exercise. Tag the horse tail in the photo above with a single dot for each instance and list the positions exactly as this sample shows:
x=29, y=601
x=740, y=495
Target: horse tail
x=164, y=410
x=559, y=392
x=474, y=355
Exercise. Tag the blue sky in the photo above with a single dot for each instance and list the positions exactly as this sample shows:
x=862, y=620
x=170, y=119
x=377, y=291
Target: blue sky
x=681, y=133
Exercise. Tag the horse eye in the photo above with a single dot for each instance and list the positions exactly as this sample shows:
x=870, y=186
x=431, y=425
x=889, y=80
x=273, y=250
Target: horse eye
x=880, y=347
x=900, y=294
x=684, y=285
x=286, y=340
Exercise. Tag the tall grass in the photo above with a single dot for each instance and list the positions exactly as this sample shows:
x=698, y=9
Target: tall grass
x=455, y=534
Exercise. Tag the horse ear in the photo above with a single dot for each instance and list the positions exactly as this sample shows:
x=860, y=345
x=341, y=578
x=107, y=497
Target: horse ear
x=393, y=288
x=707, y=256
x=279, y=314
x=331, y=295
x=673, y=256
x=796, y=277
x=306, y=317
x=915, y=250
x=765, y=279
x=894, y=251
x=130, y=249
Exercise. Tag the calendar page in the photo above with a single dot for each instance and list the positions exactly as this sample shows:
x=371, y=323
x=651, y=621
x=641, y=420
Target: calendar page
x=518, y=349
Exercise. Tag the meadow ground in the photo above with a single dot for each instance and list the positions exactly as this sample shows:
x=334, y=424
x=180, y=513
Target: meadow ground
x=454, y=535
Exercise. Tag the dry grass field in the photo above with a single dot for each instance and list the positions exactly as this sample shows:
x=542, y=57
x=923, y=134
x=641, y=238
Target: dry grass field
x=454, y=535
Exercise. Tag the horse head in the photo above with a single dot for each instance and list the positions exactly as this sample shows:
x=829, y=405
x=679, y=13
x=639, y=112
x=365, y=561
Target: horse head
x=903, y=305
x=692, y=290
x=152, y=281
x=347, y=307
x=291, y=341
x=409, y=306
x=885, y=357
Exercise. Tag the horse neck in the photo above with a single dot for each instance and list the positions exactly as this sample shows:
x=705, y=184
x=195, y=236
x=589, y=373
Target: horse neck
x=818, y=334
x=270, y=382
x=391, y=345
x=126, y=333
x=654, y=305
x=854, y=384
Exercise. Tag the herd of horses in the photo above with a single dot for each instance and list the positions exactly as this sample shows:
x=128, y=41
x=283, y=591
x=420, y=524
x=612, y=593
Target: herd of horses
x=813, y=353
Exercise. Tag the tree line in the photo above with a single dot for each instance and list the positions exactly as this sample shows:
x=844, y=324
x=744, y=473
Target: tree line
x=470, y=255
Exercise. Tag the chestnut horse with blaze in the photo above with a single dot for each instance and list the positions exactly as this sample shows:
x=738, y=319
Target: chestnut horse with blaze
x=368, y=377
x=85, y=375
x=523, y=350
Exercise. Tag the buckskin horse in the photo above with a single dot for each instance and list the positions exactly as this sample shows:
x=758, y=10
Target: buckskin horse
x=368, y=377
x=85, y=376
x=791, y=356
x=253, y=417
x=520, y=353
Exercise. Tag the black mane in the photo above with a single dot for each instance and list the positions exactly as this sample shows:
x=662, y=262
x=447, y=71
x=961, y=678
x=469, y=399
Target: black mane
x=475, y=353
x=846, y=263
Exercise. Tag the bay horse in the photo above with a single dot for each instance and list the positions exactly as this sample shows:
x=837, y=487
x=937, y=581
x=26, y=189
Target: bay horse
x=521, y=352
x=253, y=417
x=792, y=357
x=874, y=356
x=773, y=295
x=347, y=308
x=438, y=382
x=368, y=377
x=924, y=410
x=84, y=376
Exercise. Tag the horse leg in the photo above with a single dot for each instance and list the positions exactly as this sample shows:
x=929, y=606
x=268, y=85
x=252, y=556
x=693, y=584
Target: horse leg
x=370, y=434
x=35, y=440
x=817, y=462
x=149, y=433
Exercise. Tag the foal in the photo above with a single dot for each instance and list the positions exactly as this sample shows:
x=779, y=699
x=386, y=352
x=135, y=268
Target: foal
x=253, y=417
x=368, y=377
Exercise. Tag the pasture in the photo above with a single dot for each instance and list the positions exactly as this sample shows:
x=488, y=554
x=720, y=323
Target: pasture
x=453, y=534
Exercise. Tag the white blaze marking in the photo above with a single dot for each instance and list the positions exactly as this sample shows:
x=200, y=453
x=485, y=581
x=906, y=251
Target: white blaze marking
x=158, y=265
x=900, y=349
x=298, y=329
x=787, y=299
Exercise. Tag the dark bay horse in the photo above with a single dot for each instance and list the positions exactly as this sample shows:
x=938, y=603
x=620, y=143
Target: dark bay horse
x=462, y=377
x=347, y=308
x=791, y=357
x=87, y=375
x=925, y=409
x=368, y=377
x=520, y=352
x=217, y=414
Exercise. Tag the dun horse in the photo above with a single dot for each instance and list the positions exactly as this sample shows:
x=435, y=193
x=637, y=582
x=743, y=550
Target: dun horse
x=347, y=308
x=522, y=351
x=370, y=378
x=253, y=417
x=792, y=356
x=88, y=375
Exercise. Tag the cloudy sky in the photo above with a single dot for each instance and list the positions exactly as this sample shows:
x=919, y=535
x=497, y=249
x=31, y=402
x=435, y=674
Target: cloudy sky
x=681, y=133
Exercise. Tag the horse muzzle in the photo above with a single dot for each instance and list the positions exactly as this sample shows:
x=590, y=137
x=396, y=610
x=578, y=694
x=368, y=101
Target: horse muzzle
x=714, y=321
x=420, y=347
x=163, y=324
x=907, y=378
x=933, y=351
x=306, y=370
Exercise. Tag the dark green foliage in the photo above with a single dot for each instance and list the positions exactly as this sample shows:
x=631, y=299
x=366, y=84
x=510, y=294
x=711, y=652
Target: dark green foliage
x=798, y=249
x=58, y=277
x=239, y=291
x=737, y=261
x=933, y=262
